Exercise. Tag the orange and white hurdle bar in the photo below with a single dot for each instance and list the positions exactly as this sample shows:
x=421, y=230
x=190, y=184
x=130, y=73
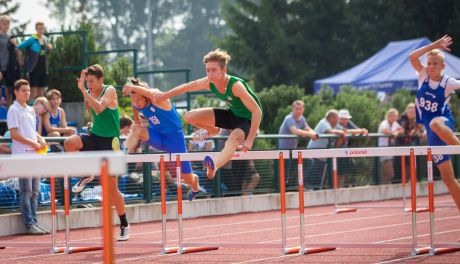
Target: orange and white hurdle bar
x=70, y=164
x=78, y=246
x=279, y=155
x=390, y=151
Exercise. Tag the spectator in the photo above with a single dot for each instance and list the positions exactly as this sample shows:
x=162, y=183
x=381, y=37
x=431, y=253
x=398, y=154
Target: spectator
x=22, y=126
x=411, y=131
x=204, y=145
x=126, y=125
x=54, y=120
x=348, y=127
x=37, y=48
x=5, y=148
x=327, y=125
x=295, y=124
x=10, y=60
x=41, y=107
x=346, y=166
x=392, y=129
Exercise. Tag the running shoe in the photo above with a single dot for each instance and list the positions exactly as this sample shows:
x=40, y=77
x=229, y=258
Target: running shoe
x=80, y=186
x=208, y=163
x=200, y=135
x=192, y=195
x=124, y=233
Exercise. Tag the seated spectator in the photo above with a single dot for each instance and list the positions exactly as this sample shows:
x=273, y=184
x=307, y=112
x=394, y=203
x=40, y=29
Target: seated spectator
x=203, y=145
x=54, y=121
x=295, y=124
x=412, y=132
x=327, y=125
x=5, y=148
x=346, y=166
x=392, y=129
x=126, y=125
x=41, y=107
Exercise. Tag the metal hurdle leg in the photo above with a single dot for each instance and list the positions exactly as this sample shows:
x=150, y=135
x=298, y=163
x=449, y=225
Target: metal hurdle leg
x=301, y=250
x=181, y=249
x=68, y=249
x=336, y=188
x=432, y=249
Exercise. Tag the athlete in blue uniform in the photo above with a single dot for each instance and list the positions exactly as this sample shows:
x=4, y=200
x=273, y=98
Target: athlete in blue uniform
x=165, y=131
x=432, y=107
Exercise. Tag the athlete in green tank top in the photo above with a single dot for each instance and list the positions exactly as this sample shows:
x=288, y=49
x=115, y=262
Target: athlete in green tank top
x=106, y=123
x=233, y=102
x=102, y=103
x=243, y=116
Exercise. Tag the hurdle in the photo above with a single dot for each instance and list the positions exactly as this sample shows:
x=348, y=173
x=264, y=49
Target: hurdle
x=435, y=248
x=58, y=165
x=375, y=152
x=251, y=155
x=76, y=247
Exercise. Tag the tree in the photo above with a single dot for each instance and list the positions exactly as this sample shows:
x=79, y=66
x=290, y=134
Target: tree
x=10, y=7
x=294, y=42
x=66, y=62
x=282, y=42
x=186, y=47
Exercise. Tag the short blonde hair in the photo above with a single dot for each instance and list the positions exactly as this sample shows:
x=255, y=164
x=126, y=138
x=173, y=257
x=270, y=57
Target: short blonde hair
x=5, y=18
x=436, y=52
x=39, y=23
x=218, y=55
x=331, y=113
x=53, y=92
x=44, y=101
x=409, y=106
x=298, y=102
x=391, y=111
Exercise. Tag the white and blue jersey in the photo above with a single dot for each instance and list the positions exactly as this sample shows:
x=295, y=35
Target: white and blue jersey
x=165, y=131
x=432, y=102
x=55, y=121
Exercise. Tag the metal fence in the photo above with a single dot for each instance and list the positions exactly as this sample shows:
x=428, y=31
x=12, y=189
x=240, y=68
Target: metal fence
x=238, y=177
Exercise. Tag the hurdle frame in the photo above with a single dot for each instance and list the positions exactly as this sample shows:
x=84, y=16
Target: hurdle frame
x=375, y=152
x=53, y=165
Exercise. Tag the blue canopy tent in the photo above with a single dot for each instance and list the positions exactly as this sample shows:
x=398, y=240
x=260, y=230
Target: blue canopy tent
x=388, y=70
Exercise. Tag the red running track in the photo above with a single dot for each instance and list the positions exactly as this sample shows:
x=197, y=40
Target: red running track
x=322, y=225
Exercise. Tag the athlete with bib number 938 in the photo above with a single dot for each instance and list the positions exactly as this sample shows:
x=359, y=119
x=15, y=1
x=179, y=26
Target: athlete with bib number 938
x=432, y=108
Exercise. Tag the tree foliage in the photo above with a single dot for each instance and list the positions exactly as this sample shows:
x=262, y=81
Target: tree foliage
x=10, y=8
x=296, y=42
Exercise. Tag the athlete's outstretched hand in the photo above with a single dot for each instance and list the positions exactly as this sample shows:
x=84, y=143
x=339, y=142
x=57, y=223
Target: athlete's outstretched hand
x=159, y=96
x=127, y=89
x=81, y=81
x=444, y=42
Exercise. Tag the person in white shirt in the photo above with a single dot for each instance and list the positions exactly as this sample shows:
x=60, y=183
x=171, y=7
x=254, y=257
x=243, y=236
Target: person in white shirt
x=392, y=129
x=21, y=121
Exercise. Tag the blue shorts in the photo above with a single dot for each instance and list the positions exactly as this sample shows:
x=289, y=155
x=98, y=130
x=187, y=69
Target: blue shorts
x=434, y=140
x=171, y=143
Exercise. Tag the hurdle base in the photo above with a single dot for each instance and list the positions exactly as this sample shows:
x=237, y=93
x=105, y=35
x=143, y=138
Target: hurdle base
x=2, y=247
x=418, y=210
x=345, y=210
x=75, y=249
x=436, y=251
x=304, y=251
x=186, y=250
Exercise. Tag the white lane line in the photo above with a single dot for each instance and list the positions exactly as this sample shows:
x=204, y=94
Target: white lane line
x=399, y=259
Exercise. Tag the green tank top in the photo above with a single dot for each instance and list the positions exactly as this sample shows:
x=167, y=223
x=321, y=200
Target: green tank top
x=106, y=123
x=234, y=103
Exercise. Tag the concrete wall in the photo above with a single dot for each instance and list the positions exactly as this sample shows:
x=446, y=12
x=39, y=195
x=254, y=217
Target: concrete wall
x=139, y=213
x=75, y=112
